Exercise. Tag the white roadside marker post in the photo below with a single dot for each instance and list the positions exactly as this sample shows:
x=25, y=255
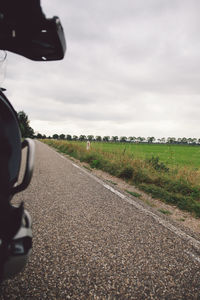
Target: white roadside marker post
x=88, y=145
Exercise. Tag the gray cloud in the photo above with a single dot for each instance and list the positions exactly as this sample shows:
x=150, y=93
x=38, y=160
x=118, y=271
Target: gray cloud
x=132, y=68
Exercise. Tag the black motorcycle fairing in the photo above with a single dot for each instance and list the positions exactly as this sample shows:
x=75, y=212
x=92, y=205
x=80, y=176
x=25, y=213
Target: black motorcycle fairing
x=10, y=146
x=10, y=216
x=24, y=30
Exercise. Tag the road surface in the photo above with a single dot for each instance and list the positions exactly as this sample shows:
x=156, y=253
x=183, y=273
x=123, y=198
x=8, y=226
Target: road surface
x=93, y=242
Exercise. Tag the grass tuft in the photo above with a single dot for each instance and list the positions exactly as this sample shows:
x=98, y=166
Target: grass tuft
x=134, y=194
x=112, y=182
x=165, y=211
x=126, y=173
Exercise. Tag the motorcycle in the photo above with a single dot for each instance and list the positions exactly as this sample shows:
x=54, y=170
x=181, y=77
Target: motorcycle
x=26, y=31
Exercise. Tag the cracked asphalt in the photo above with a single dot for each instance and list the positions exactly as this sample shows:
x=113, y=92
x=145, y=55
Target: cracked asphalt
x=91, y=244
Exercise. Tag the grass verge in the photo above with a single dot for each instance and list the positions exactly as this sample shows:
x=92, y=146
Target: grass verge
x=173, y=186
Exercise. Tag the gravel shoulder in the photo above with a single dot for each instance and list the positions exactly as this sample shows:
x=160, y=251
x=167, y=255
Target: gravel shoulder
x=182, y=218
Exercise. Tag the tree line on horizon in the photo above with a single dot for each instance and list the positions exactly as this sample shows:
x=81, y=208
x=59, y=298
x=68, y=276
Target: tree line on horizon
x=27, y=131
x=122, y=139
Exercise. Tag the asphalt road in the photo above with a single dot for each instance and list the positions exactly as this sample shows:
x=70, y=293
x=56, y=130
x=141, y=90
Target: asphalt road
x=92, y=242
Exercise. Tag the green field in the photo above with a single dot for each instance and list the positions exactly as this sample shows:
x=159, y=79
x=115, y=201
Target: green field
x=173, y=155
x=170, y=173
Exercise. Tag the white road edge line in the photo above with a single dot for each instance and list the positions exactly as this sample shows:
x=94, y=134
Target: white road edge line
x=192, y=241
x=163, y=222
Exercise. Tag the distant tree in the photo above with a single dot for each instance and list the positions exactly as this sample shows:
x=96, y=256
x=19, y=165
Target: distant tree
x=171, y=140
x=62, y=136
x=194, y=141
x=151, y=139
x=114, y=138
x=134, y=139
x=26, y=130
x=55, y=136
x=163, y=140
x=184, y=140
x=106, y=138
x=98, y=138
x=179, y=140
x=44, y=136
x=90, y=137
x=82, y=137
x=30, y=132
x=75, y=138
x=141, y=139
x=39, y=136
x=123, y=139
x=69, y=137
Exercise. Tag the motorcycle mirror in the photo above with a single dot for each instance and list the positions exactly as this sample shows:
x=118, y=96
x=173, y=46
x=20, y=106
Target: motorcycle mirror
x=44, y=44
x=29, y=166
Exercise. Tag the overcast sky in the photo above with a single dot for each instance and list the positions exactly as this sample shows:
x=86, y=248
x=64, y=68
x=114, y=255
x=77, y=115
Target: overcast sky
x=132, y=68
